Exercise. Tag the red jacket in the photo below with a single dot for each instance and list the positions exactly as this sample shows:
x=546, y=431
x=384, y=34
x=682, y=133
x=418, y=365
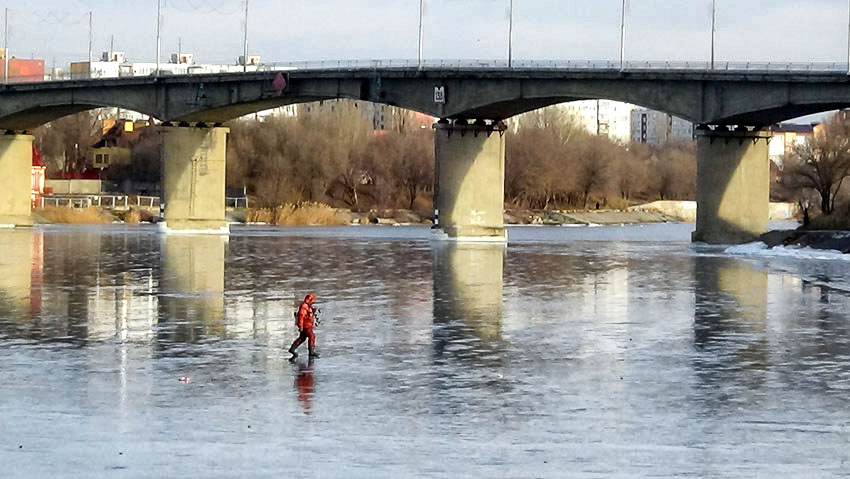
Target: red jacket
x=305, y=316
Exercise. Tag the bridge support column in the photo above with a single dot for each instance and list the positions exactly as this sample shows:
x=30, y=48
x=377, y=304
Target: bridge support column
x=16, y=171
x=193, y=179
x=469, y=193
x=733, y=185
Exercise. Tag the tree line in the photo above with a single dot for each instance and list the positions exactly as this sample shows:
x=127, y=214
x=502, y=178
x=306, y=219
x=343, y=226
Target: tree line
x=551, y=162
x=333, y=155
x=814, y=171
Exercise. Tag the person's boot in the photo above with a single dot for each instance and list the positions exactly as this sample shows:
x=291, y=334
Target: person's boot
x=292, y=352
x=313, y=353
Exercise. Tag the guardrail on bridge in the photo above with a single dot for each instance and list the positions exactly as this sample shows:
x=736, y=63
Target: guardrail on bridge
x=837, y=68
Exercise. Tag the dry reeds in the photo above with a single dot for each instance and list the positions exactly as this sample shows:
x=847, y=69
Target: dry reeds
x=56, y=214
x=839, y=220
x=133, y=217
x=304, y=214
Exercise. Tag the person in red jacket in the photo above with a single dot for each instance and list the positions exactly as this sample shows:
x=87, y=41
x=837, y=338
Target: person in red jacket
x=305, y=319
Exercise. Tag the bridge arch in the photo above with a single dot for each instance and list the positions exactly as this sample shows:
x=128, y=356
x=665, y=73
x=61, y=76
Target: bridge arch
x=499, y=99
x=24, y=111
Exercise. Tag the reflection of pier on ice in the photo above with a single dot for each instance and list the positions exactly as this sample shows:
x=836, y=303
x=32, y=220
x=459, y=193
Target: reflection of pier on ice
x=467, y=297
x=88, y=286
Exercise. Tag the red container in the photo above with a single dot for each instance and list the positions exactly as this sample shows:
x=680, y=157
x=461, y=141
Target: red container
x=23, y=70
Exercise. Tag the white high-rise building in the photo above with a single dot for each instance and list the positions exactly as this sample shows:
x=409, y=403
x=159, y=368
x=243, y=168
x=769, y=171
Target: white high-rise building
x=604, y=117
x=656, y=128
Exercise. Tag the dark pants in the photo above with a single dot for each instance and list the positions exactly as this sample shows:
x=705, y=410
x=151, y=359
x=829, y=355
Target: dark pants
x=306, y=334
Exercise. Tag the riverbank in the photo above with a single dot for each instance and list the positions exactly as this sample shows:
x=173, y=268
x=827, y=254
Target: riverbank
x=821, y=240
x=317, y=214
x=325, y=216
x=511, y=217
x=90, y=215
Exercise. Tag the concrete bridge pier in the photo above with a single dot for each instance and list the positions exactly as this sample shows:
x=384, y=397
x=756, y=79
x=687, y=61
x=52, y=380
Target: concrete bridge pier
x=470, y=181
x=193, y=179
x=16, y=171
x=733, y=185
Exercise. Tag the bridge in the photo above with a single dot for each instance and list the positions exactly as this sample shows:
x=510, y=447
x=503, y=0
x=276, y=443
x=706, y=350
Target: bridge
x=731, y=103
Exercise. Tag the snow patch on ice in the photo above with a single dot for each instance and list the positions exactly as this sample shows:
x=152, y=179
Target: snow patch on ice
x=759, y=248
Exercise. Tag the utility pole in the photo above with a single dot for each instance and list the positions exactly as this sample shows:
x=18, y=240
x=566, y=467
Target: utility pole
x=245, y=43
x=421, y=31
x=158, y=39
x=90, y=38
x=510, y=34
x=623, y=35
x=714, y=29
x=6, y=47
x=598, y=123
x=179, y=48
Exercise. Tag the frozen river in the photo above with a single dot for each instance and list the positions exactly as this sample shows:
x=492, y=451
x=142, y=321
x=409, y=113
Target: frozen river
x=574, y=352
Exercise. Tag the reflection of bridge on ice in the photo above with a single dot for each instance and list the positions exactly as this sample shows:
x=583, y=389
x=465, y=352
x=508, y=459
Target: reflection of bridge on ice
x=731, y=103
x=202, y=287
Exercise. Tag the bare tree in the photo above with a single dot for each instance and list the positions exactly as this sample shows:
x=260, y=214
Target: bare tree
x=673, y=172
x=823, y=163
x=593, y=167
x=64, y=143
x=414, y=168
x=630, y=172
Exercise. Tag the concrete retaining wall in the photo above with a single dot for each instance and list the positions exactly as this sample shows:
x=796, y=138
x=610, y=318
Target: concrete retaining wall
x=682, y=210
x=687, y=210
x=784, y=211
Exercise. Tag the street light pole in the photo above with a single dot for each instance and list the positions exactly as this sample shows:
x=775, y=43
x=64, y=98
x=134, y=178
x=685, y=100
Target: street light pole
x=421, y=30
x=848, y=39
x=90, y=38
x=510, y=33
x=6, y=47
x=623, y=36
x=713, y=29
x=158, y=27
x=245, y=42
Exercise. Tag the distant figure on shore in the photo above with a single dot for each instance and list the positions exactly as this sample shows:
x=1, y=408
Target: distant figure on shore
x=305, y=320
x=804, y=205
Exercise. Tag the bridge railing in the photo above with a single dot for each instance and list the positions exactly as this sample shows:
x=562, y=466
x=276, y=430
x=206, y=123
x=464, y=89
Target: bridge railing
x=101, y=201
x=236, y=202
x=566, y=65
x=837, y=68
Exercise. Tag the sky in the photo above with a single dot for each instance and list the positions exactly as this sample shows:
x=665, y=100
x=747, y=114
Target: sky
x=296, y=30
x=293, y=30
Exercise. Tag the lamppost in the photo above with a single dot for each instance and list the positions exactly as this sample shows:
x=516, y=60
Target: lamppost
x=90, y=39
x=623, y=35
x=158, y=25
x=245, y=42
x=6, y=47
x=421, y=30
x=713, y=29
x=510, y=33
